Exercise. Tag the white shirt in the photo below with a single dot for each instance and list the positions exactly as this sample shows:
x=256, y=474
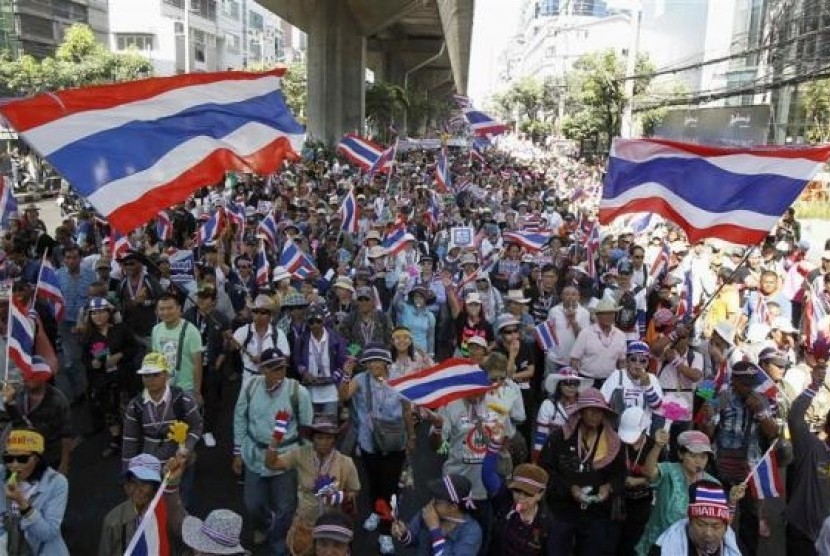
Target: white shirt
x=319, y=365
x=676, y=387
x=565, y=335
x=256, y=346
x=633, y=393
x=597, y=352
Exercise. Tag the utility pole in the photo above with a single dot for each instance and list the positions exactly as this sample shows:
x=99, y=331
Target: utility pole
x=187, y=36
x=636, y=16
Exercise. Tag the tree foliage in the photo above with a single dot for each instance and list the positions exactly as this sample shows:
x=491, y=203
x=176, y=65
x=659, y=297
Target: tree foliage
x=294, y=85
x=534, y=101
x=79, y=60
x=385, y=104
x=597, y=82
x=426, y=110
x=816, y=106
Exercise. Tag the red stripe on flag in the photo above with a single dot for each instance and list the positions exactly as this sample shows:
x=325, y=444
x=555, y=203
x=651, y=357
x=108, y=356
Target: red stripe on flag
x=33, y=112
x=817, y=154
x=130, y=216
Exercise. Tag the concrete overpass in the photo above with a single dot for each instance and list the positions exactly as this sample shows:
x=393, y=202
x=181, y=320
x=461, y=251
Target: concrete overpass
x=423, y=44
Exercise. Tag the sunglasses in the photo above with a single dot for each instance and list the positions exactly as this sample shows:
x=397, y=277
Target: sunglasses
x=363, y=299
x=638, y=359
x=23, y=459
x=571, y=383
x=510, y=331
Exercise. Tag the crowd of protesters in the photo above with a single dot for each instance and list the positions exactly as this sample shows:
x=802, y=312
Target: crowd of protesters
x=638, y=380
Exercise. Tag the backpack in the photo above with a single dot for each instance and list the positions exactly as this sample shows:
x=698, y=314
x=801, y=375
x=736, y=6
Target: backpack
x=626, y=317
x=237, y=359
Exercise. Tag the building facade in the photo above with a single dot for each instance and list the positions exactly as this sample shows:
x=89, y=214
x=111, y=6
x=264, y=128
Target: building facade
x=37, y=27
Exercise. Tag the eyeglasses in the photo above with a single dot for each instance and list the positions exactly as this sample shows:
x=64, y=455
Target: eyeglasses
x=571, y=383
x=510, y=331
x=638, y=358
x=23, y=459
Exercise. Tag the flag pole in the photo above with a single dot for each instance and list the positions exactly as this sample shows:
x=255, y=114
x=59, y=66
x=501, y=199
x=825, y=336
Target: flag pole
x=759, y=462
x=732, y=275
x=8, y=335
x=142, y=525
x=393, y=164
x=39, y=275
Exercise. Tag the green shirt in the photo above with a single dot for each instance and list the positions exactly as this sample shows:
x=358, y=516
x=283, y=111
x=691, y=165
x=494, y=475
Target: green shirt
x=672, y=503
x=165, y=340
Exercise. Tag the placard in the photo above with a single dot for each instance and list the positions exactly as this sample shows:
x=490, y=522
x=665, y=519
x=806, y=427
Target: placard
x=462, y=237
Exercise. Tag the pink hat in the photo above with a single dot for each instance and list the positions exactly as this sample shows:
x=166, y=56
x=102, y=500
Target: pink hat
x=695, y=442
x=592, y=397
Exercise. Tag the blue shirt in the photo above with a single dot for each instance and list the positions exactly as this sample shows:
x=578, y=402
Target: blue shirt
x=74, y=289
x=386, y=405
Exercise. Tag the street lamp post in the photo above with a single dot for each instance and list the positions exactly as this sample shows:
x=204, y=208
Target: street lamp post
x=627, y=130
x=187, y=36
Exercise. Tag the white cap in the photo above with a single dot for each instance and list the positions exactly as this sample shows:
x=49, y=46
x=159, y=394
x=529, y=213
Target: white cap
x=631, y=425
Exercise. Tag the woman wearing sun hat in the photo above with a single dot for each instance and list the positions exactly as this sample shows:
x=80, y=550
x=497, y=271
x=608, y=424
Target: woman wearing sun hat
x=587, y=468
x=444, y=525
x=34, y=498
x=385, y=432
x=563, y=388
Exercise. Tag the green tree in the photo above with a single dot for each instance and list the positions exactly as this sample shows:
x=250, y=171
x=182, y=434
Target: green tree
x=385, y=104
x=425, y=109
x=816, y=107
x=599, y=81
x=79, y=60
x=535, y=102
x=294, y=85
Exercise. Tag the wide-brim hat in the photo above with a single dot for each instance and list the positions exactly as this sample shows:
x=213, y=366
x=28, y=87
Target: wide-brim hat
x=591, y=397
x=516, y=296
x=325, y=424
x=294, y=300
x=376, y=352
x=218, y=534
x=263, y=302
x=606, y=306
x=566, y=373
x=420, y=290
x=344, y=283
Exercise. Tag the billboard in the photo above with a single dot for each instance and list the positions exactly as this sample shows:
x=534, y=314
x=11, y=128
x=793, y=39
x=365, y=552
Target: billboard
x=735, y=126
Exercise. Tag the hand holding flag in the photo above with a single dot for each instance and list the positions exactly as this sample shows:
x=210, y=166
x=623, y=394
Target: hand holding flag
x=280, y=425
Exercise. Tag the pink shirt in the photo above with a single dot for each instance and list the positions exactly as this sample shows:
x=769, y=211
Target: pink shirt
x=597, y=352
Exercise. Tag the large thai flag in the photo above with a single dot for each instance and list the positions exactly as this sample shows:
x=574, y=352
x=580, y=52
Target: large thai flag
x=49, y=289
x=8, y=203
x=164, y=226
x=434, y=209
x=268, y=229
x=212, y=228
x=133, y=149
x=733, y=194
x=685, y=304
x=532, y=241
x=262, y=266
x=661, y=262
x=21, y=339
x=442, y=170
x=150, y=538
x=384, y=161
x=349, y=213
x=441, y=384
x=765, y=481
x=482, y=124
x=395, y=241
x=359, y=151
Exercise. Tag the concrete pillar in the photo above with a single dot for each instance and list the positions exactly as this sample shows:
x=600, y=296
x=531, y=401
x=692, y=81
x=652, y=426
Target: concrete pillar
x=336, y=75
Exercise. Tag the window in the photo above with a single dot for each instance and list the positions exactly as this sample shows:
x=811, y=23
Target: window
x=256, y=21
x=548, y=7
x=232, y=42
x=204, y=8
x=134, y=41
x=255, y=50
x=197, y=36
x=230, y=8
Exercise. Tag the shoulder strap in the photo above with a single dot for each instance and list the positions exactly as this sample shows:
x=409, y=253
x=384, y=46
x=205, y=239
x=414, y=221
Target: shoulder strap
x=180, y=345
x=295, y=400
x=178, y=402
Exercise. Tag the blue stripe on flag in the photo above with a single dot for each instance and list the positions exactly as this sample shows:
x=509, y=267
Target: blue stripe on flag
x=472, y=380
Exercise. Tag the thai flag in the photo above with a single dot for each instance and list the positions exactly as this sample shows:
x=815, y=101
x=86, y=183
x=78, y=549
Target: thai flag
x=814, y=316
x=8, y=203
x=505, y=174
x=442, y=170
x=359, y=151
x=268, y=228
x=532, y=241
x=212, y=228
x=761, y=311
x=685, y=302
x=481, y=142
x=384, y=161
x=150, y=538
x=90, y=136
x=49, y=289
x=236, y=216
x=642, y=223
x=546, y=336
x=764, y=385
x=705, y=495
x=462, y=185
x=765, y=481
x=661, y=262
x=349, y=211
x=591, y=246
x=120, y=244
x=736, y=195
x=40, y=368
x=295, y=260
x=164, y=226
x=476, y=156
x=482, y=124
x=441, y=384
x=395, y=241
x=262, y=266
x=434, y=209
x=21, y=339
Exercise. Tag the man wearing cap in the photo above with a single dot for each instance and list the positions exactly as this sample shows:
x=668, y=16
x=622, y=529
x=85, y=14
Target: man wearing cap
x=366, y=324
x=600, y=348
x=254, y=338
x=270, y=496
x=705, y=531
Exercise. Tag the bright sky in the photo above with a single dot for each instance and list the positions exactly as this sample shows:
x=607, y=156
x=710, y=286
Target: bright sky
x=494, y=24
